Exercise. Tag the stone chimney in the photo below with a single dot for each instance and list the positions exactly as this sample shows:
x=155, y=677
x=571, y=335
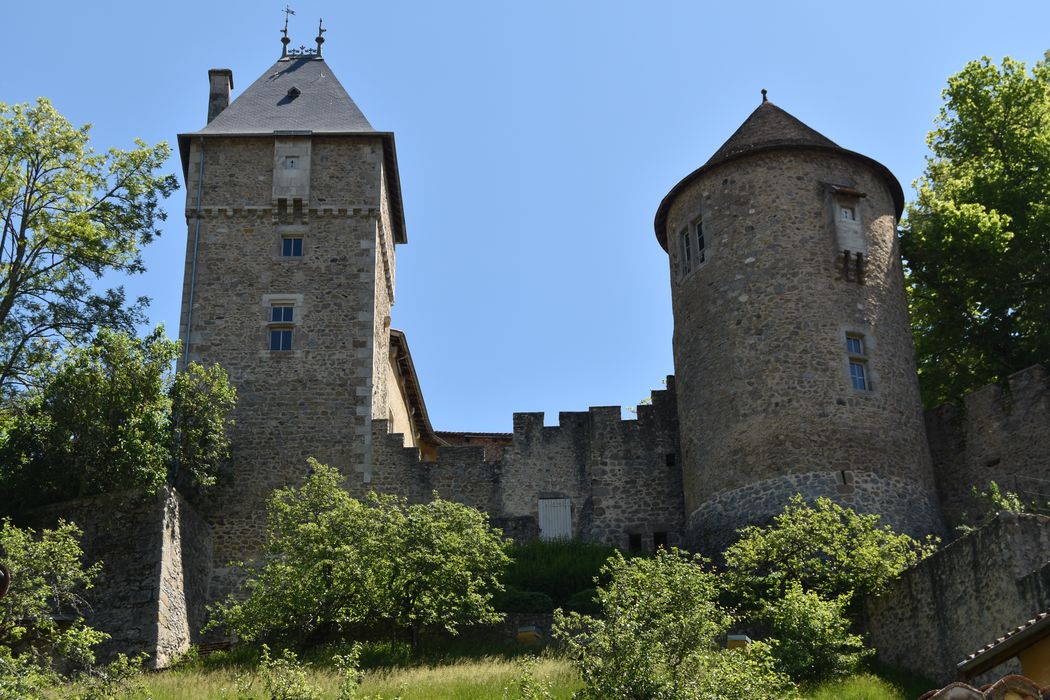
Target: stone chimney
x=221, y=81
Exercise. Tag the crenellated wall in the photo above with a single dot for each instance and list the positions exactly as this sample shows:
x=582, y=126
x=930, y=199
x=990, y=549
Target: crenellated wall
x=622, y=476
x=999, y=433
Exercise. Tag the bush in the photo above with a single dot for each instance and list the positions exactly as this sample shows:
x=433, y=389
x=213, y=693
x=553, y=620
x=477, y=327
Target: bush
x=558, y=568
x=824, y=547
x=811, y=635
x=657, y=637
x=332, y=562
x=514, y=601
x=584, y=602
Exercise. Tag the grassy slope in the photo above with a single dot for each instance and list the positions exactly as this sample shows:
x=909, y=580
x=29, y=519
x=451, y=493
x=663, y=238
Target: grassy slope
x=482, y=679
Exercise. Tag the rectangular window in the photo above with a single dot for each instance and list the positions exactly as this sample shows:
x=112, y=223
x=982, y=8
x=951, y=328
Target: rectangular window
x=848, y=213
x=281, y=313
x=698, y=227
x=858, y=374
x=687, y=251
x=854, y=345
x=634, y=542
x=280, y=339
x=659, y=540
x=292, y=247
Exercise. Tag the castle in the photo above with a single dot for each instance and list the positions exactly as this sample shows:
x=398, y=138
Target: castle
x=794, y=365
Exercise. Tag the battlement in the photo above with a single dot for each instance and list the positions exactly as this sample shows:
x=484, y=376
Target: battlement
x=621, y=477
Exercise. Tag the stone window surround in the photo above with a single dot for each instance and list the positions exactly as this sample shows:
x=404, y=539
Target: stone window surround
x=268, y=302
x=690, y=236
x=862, y=358
x=289, y=231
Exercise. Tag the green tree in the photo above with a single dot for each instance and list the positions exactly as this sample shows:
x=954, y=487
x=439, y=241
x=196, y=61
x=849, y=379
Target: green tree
x=69, y=215
x=49, y=580
x=811, y=635
x=657, y=637
x=331, y=562
x=976, y=240
x=824, y=547
x=112, y=416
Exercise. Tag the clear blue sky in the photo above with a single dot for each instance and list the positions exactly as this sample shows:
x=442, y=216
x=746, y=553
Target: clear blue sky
x=535, y=141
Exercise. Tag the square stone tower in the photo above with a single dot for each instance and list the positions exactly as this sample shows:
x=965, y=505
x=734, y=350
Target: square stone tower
x=293, y=206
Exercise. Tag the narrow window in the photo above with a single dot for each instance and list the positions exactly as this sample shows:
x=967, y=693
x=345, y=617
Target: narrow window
x=634, y=542
x=659, y=540
x=687, y=251
x=858, y=362
x=670, y=459
x=291, y=163
x=698, y=228
x=292, y=247
x=848, y=213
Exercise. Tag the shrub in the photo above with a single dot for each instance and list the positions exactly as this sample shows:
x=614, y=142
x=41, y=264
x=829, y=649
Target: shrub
x=657, y=637
x=826, y=548
x=585, y=602
x=811, y=635
x=514, y=601
x=332, y=562
x=558, y=568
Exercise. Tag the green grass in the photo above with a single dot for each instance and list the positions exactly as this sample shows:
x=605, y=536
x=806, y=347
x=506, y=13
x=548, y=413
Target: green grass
x=477, y=679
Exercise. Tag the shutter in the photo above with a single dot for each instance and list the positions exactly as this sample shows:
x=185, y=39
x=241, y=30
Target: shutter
x=555, y=518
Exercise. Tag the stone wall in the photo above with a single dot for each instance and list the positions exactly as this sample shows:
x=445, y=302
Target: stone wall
x=622, y=476
x=155, y=553
x=317, y=399
x=999, y=433
x=761, y=360
x=963, y=597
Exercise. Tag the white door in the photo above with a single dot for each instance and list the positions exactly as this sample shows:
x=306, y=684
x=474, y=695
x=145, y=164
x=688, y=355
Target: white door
x=555, y=519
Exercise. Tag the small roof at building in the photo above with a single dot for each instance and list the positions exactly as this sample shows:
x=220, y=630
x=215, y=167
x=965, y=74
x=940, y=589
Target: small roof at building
x=770, y=128
x=1006, y=647
x=297, y=93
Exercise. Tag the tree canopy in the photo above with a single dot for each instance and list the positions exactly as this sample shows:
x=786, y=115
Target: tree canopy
x=69, y=215
x=112, y=415
x=977, y=238
x=331, y=562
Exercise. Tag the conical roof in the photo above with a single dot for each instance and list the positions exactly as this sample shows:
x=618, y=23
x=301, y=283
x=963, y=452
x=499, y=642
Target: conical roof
x=770, y=128
x=298, y=93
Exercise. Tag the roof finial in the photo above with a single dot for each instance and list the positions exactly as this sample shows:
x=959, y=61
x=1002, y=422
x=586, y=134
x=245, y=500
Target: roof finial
x=764, y=98
x=320, y=35
x=284, y=39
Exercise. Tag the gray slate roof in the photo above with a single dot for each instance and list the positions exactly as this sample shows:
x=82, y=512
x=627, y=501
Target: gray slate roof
x=321, y=106
x=770, y=128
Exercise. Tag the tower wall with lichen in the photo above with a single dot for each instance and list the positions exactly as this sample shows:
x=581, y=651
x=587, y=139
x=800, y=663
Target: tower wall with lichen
x=766, y=403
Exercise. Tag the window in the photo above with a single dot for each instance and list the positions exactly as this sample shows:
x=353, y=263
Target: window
x=291, y=162
x=687, y=251
x=691, y=248
x=659, y=540
x=281, y=335
x=292, y=247
x=858, y=362
x=634, y=542
x=698, y=229
x=847, y=213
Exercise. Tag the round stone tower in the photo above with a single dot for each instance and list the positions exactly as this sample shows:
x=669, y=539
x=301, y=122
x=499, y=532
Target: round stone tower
x=794, y=364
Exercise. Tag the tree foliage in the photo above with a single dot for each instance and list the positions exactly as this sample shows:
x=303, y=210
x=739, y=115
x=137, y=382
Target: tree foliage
x=977, y=238
x=657, y=637
x=69, y=215
x=824, y=547
x=49, y=580
x=332, y=562
x=111, y=416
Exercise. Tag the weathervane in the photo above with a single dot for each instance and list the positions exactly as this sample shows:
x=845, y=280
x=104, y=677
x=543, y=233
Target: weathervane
x=288, y=12
x=320, y=35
